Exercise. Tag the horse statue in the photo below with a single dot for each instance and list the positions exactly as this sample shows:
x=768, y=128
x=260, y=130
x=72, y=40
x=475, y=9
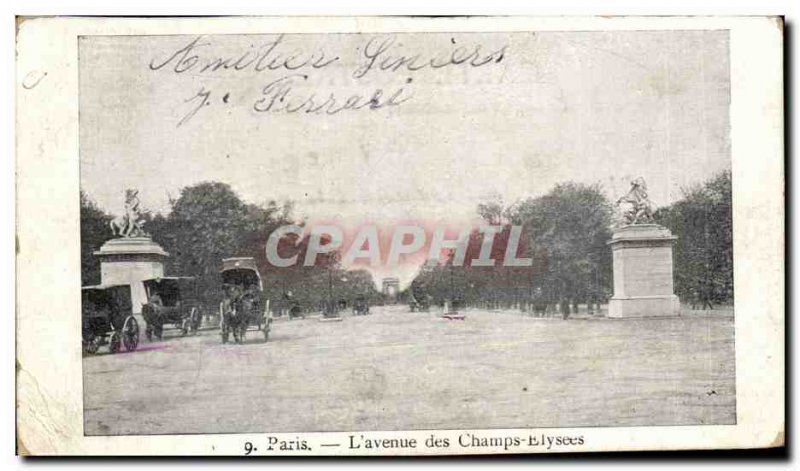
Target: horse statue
x=641, y=208
x=130, y=223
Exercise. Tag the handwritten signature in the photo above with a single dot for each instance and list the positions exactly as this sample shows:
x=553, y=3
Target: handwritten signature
x=380, y=53
x=279, y=97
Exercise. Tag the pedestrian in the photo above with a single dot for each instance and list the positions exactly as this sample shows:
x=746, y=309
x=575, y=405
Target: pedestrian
x=707, y=294
x=564, y=307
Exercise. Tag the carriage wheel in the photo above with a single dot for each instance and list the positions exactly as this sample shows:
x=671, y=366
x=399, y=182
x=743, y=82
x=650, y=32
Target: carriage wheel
x=92, y=346
x=223, y=323
x=114, y=342
x=196, y=319
x=266, y=330
x=130, y=334
x=185, y=327
x=224, y=330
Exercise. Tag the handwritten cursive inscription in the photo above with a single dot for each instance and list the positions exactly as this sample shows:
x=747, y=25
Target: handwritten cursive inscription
x=293, y=90
x=378, y=54
x=199, y=100
x=266, y=57
x=279, y=97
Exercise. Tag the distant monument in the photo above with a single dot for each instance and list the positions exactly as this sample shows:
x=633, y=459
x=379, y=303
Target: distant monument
x=133, y=256
x=391, y=286
x=642, y=250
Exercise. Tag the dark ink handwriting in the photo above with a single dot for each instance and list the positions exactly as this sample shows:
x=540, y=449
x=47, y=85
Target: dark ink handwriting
x=32, y=79
x=378, y=55
x=292, y=92
x=268, y=56
x=278, y=96
x=203, y=99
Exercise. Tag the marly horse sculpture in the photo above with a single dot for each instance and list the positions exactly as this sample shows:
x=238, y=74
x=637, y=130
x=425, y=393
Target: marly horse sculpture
x=130, y=223
x=641, y=210
x=122, y=228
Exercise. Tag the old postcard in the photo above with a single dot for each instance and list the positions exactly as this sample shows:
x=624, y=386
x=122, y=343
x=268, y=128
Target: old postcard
x=399, y=236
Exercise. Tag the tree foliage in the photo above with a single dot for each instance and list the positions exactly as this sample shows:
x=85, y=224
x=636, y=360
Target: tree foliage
x=95, y=231
x=703, y=222
x=567, y=231
x=564, y=233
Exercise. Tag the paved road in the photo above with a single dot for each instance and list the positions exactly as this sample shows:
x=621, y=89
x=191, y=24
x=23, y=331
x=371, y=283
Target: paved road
x=395, y=370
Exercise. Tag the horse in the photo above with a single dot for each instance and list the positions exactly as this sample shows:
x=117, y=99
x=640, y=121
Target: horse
x=230, y=318
x=247, y=307
x=121, y=228
x=237, y=310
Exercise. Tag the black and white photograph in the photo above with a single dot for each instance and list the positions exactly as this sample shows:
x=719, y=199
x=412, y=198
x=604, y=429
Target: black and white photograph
x=598, y=163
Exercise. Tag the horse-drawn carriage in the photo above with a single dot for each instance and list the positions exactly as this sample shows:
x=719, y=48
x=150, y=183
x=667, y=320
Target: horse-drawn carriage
x=360, y=306
x=243, y=305
x=171, y=301
x=539, y=302
x=290, y=307
x=107, y=318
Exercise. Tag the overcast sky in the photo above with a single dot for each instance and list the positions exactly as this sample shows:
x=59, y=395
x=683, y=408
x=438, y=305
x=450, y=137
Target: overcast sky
x=591, y=107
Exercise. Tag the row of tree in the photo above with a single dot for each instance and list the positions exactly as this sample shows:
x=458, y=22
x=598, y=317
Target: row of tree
x=564, y=231
x=565, y=234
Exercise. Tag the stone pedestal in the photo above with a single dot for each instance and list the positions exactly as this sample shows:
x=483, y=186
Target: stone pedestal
x=130, y=261
x=643, y=285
